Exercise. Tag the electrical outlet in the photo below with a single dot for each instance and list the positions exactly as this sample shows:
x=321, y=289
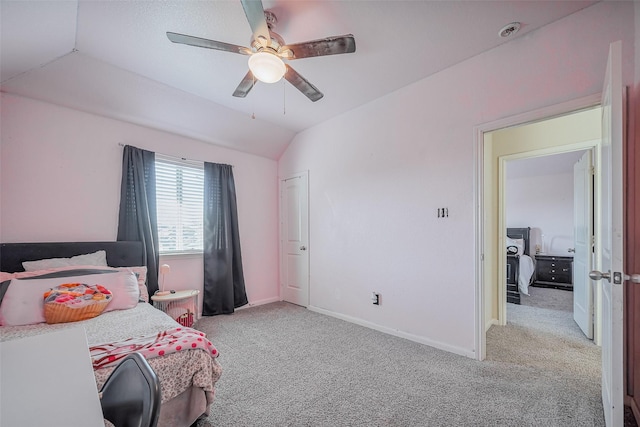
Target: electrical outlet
x=375, y=298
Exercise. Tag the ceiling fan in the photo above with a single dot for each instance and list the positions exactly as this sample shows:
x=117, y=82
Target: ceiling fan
x=268, y=50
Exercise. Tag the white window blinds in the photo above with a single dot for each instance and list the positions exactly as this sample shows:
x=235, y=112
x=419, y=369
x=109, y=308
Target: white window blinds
x=179, y=197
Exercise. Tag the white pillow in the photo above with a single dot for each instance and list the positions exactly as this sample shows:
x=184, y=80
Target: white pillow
x=23, y=304
x=125, y=290
x=519, y=243
x=139, y=271
x=141, y=275
x=96, y=258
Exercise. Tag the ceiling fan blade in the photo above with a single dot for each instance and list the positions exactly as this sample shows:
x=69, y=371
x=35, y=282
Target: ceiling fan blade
x=245, y=85
x=255, y=15
x=302, y=84
x=327, y=46
x=209, y=44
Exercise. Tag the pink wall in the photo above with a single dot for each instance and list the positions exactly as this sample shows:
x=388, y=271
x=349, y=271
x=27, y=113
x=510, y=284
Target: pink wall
x=378, y=173
x=60, y=181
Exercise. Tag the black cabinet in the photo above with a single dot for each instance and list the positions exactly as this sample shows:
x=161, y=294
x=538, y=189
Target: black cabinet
x=554, y=271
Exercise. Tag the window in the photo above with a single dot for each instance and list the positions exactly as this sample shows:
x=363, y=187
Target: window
x=179, y=198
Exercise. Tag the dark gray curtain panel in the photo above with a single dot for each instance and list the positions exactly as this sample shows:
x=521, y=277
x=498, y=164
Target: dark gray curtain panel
x=224, y=288
x=138, y=217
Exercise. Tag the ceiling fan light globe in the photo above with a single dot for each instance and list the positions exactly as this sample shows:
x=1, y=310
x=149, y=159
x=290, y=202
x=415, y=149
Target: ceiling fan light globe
x=266, y=67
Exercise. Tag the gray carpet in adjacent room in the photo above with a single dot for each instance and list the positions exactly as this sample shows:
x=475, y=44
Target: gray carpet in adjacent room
x=554, y=299
x=288, y=366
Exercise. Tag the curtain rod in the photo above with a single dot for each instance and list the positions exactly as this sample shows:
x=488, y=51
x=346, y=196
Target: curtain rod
x=174, y=157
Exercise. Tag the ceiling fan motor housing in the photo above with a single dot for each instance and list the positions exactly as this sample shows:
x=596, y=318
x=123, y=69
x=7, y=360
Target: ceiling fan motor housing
x=268, y=49
x=260, y=44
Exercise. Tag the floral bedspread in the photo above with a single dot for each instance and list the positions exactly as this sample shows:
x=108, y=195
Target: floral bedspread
x=177, y=371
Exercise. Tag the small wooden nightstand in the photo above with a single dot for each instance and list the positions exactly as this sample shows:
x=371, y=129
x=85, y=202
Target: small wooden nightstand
x=554, y=271
x=180, y=305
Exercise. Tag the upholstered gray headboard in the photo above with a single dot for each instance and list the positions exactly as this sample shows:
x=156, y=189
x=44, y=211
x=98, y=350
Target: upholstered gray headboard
x=119, y=254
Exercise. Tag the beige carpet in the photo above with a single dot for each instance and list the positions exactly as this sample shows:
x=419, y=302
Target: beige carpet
x=547, y=338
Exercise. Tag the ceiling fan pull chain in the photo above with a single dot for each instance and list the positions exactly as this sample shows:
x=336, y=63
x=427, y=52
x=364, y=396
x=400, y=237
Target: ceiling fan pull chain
x=284, y=99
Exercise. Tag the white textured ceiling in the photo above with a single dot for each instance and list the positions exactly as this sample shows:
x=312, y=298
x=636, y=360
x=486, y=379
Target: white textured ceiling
x=113, y=58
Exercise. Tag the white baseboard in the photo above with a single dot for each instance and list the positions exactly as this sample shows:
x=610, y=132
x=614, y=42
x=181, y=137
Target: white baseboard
x=259, y=302
x=415, y=338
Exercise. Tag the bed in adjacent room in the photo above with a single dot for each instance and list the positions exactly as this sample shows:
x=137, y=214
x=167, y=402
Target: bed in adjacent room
x=184, y=360
x=520, y=265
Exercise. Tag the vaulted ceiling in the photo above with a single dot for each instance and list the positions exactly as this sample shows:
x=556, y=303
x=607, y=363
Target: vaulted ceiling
x=113, y=58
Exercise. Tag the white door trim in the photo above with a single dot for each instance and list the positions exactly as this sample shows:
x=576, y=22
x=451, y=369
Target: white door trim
x=481, y=257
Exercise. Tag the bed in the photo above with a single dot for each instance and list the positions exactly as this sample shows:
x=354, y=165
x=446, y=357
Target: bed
x=520, y=265
x=187, y=377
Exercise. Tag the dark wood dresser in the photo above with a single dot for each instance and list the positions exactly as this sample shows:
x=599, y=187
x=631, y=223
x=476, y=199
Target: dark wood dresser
x=554, y=271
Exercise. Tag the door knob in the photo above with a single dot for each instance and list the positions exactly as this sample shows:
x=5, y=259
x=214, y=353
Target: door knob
x=303, y=248
x=597, y=275
x=571, y=250
x=635, y=278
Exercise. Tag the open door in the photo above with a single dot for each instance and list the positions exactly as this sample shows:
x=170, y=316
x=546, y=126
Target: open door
x=582, y=240
x=611, y=254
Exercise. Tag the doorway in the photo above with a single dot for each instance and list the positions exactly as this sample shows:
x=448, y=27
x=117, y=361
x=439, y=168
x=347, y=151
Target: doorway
x=573, y=131
x=610, y=219
x=505, y=146
x=495, y=152
x=547, y=195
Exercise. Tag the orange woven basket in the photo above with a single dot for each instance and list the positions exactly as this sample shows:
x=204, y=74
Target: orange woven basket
x=60, y=313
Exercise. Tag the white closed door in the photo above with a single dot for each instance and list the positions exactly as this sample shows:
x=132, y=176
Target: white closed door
x=582, y=232
x=610, y=273
x=294, y=242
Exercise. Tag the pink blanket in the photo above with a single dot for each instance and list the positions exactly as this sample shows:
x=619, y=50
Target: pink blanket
x=150, y=346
